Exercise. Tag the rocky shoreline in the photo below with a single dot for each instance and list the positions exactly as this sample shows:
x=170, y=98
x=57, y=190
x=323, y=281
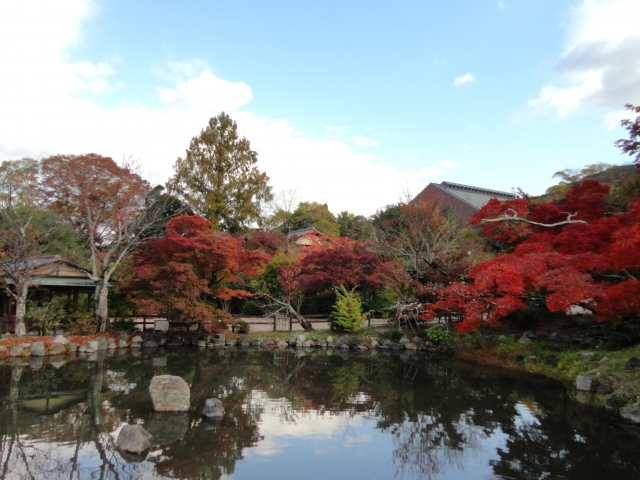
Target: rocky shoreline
x=60, y=345
x=587, y=387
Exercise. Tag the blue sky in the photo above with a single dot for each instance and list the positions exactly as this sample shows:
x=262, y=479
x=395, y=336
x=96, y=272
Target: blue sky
x=351, y=103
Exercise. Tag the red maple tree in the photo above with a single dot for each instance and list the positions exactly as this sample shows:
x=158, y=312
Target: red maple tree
x=344, y=262
x=186, y=274
x=571, y=254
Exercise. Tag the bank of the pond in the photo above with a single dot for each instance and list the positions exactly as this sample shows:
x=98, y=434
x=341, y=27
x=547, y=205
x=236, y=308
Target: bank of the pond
x=608, y=378
x=602, y=376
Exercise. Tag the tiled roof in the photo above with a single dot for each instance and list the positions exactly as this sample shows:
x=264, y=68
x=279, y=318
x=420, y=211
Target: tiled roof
x=58, y=282
x=475, y=196
x=37, y=263
x=299, y=233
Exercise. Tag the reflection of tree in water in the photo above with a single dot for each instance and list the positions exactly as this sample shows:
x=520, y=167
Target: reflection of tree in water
x=438, y=414
x=426, y=447
x=33, y=439
x=346, y=381
x=568, y=441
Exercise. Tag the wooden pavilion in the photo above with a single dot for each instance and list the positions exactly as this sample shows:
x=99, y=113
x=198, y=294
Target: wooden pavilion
x=51, y=277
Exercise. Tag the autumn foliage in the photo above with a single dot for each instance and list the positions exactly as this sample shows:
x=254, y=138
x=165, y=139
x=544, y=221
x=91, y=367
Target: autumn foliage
x=592, y=261
x=344, y=262
x=187, y=273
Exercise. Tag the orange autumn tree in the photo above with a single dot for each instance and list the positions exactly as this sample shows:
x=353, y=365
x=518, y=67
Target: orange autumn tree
x=190, y=272
x=108, y=205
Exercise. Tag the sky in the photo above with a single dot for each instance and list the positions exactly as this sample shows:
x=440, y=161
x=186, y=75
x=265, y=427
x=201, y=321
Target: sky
x=351, y=103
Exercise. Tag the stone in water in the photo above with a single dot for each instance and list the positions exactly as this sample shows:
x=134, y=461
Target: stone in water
x=213, y=408
x=169, y=394
x=134, y=439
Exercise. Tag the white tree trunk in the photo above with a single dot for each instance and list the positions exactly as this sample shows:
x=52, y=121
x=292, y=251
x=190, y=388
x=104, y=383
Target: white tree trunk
x=101, y=305
x=21, y=308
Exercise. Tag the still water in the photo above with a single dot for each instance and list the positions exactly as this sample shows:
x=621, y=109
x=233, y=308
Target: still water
x=310, y=415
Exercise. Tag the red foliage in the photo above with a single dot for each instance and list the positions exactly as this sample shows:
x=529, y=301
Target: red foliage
x=265, y=242
x=503, y=232
x=587, y=200
x=344, y=262
x=183, y=274
x=566, y=265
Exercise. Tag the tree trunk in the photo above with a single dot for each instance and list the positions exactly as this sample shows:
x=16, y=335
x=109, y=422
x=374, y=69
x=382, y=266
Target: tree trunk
x=21, y=308
x=305, y=323
x=102, y=312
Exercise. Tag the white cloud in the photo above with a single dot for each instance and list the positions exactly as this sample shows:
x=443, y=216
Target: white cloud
x=336, y=129
x=206, y=93
x=179, y=70
x=449, y=163
x=501, y=6
x=365, y=141
x=613, y=119
x=46, y=107
x=601, y=61
x=466, y=78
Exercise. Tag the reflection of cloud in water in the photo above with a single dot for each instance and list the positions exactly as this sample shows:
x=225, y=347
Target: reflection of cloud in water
x=308, y=425
x=527, y=414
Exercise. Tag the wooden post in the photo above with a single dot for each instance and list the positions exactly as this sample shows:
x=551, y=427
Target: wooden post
x=275, y=320
x=290, y=323
x=74, y=305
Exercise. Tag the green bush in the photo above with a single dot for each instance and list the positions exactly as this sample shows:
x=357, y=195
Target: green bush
x=439, y=336
x=243, y=327
x=123, y=325
x=46, y=317
x=394, y=333
x=347, y=313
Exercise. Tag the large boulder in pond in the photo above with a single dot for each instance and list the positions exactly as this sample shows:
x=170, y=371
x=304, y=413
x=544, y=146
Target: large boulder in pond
x=134, y=439
x=213, y=408
x=169, y=394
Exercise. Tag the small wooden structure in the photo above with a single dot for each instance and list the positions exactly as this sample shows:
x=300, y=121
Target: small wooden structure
x=305, y=237
x=52, y=277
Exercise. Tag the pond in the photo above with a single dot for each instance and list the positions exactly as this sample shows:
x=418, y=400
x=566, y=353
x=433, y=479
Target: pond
x=304, y=415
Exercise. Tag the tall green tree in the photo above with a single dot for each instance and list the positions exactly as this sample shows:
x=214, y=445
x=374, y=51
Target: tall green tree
x=356, y=227
x=219, y=178
x=316, y=215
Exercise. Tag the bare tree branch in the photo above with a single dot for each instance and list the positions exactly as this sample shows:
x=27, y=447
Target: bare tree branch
x=516, y=218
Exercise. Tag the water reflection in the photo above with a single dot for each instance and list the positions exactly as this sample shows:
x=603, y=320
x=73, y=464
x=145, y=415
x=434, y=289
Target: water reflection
x=317, y=415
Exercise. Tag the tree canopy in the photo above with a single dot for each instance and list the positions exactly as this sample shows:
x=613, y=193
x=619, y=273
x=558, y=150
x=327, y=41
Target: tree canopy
x=316, y=215
x=559, y=259
x=219, y=179
x=106, y=204
x=186, y=274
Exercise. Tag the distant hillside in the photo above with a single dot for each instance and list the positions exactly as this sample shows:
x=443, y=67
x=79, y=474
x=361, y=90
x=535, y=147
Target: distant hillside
x=614, y=174
x=611, y=175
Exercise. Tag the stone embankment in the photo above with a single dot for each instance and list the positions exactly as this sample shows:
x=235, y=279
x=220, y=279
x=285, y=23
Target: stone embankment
x=60, y=345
